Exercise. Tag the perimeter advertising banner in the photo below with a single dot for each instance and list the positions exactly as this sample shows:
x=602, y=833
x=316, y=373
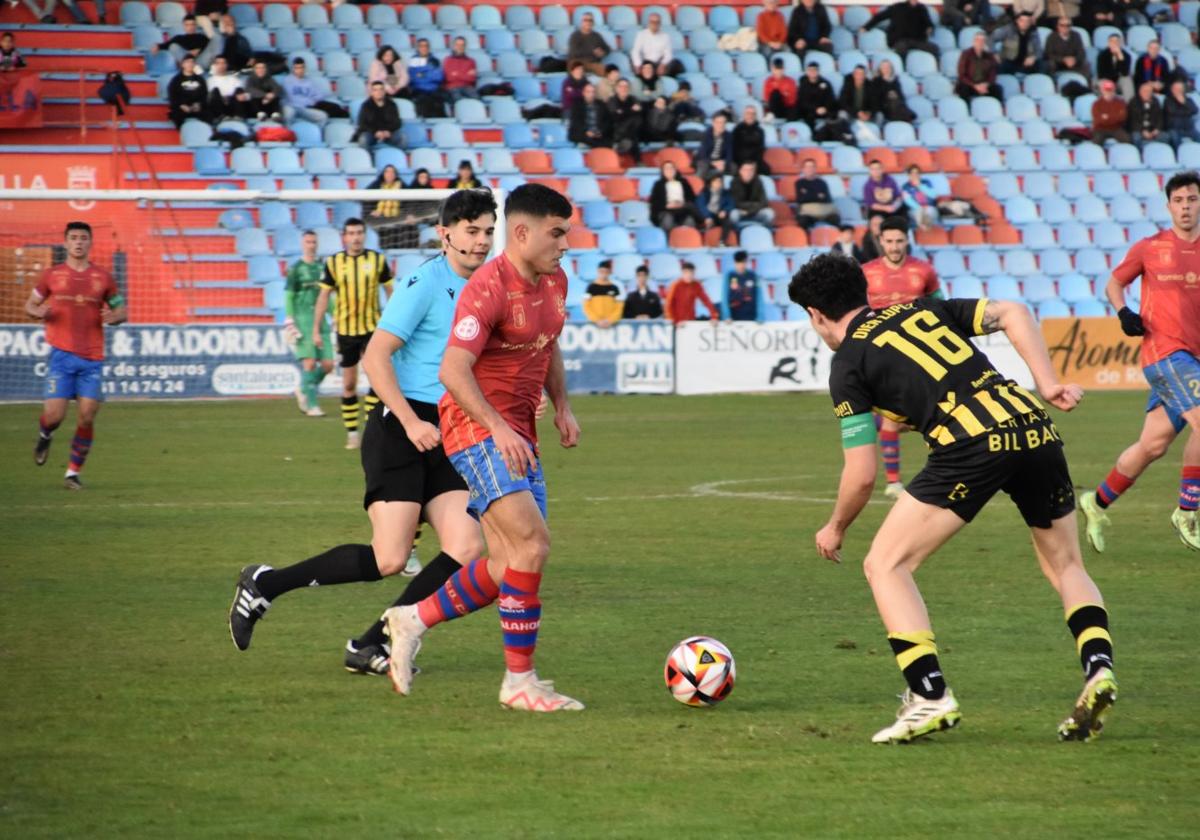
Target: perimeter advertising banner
x=712, y=357
x=631, y=357
x=1094, y=353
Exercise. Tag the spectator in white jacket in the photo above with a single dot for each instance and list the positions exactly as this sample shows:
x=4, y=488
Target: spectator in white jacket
x=654, y=45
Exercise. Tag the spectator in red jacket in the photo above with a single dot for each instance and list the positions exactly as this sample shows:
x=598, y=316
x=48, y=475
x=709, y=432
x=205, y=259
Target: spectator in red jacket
x=779, y=93
x=460, y=72
x=771, y=28
x=683, y=294
x=977, y=68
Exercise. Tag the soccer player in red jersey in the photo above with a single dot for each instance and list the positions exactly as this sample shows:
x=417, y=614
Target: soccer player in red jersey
x=75, y=299
x=1169, y=265
x=503, y=349
x=896, y=278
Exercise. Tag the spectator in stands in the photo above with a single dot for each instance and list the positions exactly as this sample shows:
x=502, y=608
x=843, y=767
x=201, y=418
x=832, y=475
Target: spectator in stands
x=1145, y=116
x=750, y=198
x=661, y=125
x=606, y=88
x=602, y=300
x=1179, y=114
x=229, y=43
x=813, y=201
x=590, y=123
x=816, y=97
x=1020, y=47
x=1130, y=12
x=643, y=302
x=466, y=179
x=1097, y=13
x=266, y=94
x=716, y=206
x=187, y=94
x=1057, y=9
x=10, y=57
x=749, y=141
x=384, y=216
x=920, y=199
x=645, y=85
x=304, y=97
x=426, y=78
x=46, y=13
x=683, y=295
x=654, y=45
x=389, y=69
x=957, y=14
x=1036, y=9
x=1064, y=50
x=856, y=101
x=189, y=42
x=379, y=120
x=626, y=114
x=881, y=193
x=780, y=94
x=588, y=46
x=977, y=69
x=771, y=28
x=208, y=15
x=227, y=98
x=1109, y=115
x=716, y=148
x=461, y=73
x=672, y=200
x=1115, y=64
x=573, y=85
x=1152, y=66
x=422, y=180
x=889, y=98
x=739, y=291
x=809, y=28
x=910, y=27
x=872, y=248
x=846, y=246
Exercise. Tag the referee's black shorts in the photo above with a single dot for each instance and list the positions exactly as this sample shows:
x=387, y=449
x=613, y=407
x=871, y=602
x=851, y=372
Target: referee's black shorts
x=351, y=348
x=395, y=470
x=1025, y=460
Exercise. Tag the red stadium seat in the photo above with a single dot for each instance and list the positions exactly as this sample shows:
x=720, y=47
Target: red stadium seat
x=1003, y=234
x=783, y=214
x=885, y=156
x=677, y=156
x=786, y=188
x=969, y=187
x=933, y=236
x=604, y=162
x=781, y=161
x=685, y=237
x=966, y=235
x=819, y=155
x=533, y=162
x=823, y=236
x=918, y=155
x=952, y=159
x=580, y=237
x=791, y=236
x=989, y=207
x=617, y=190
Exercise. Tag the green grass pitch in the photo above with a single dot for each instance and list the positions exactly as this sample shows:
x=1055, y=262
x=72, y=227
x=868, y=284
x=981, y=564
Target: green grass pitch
x=125, y=710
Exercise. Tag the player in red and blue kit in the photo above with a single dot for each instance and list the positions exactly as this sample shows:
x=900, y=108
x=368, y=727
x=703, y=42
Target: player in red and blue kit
x=75, y=299
x=503, y=349
x=1169, y=265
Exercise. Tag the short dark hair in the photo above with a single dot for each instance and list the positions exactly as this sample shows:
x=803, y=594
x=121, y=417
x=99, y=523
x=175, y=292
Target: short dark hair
x=686, y=266
x=604, y=264
x=642, y=269
x=830, y=283
x=1179, y=180
x=777, y=62
x=376, y=84
x=608, y=68
x=845, y=228
x=740, y=256
x=84, y=226
x=385, y=48
x=467, y=205
x=309, y=232
x=353, y=221
x=538, y=201
x=186, y=18
x=895, y=223
x=298, y=60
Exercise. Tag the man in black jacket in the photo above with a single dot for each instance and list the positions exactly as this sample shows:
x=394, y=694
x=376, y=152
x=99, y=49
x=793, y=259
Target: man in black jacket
x=643, y=302
x=626, y=114
x=857, y=100
x=909, y=29
x=749, y=141
x=590, y=122
x=187, y=94
x=229, y=43
x=379, y=120
x=815, y=97
x=809, y=28
x=1146, y=121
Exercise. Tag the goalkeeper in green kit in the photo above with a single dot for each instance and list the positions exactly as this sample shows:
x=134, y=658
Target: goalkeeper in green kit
x=303, y=287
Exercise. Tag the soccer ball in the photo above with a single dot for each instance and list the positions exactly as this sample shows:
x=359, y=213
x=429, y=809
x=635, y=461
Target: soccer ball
x=700, y=671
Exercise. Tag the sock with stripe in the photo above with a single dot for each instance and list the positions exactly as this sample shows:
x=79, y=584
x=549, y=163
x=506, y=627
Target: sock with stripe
x=916, y=654
x=469, y=589
x=1111, y=488
x=1189, y=488
x=370, y=401
x=430, y=579
x=889, y=445
x=81, y=444
x=520, y=617
x=344, y=564
x=1089, y=624
x=46, y=430
x=350, y=413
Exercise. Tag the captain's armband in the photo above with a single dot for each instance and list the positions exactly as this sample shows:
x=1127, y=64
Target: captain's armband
x=858, y=430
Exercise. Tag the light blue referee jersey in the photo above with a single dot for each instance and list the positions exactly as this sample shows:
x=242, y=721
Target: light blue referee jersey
x=421, y=312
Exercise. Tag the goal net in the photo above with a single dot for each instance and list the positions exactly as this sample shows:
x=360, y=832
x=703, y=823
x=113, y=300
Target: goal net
x=203, y=273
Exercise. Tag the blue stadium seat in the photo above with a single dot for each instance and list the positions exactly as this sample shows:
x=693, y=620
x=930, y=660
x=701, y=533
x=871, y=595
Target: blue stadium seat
x=600, y=214
x=415, y=17
x=899, y=134
x=1056, y=210
x=1022, y=159
x=498, y=162
x=389, y=156
x=1020, y=262
x=505, y=111
x=582, y=188
x=1159, y=157
x=265, y=269
x=532, y=42
x=448, y=136
x=1055, y=158
x=512, y=65
x=416, y=136
x=1127, y=210
x=1038, y=236
x=1003, y=186
x=252, y=242
x=311, y=16
x=1003, y=287
x=169, y=15
x=276, y=16
x=1055, y=262
x=986, y=109
x=325, y=40
x=983, y=262
x=1089, y=309
x=311, y=214
x=967, y=286
x=633, y=214
x=320, y=162
x=985, y=158
x=357, y=161
x=1143, y=184
x=471, y=112
x=650, y=240
x=337, y=63
x=757, y=239
x=133, y=14
x=920, y=64
x=381, y=17
x=933, y=133
x=1021, y=108
x=1082, y=106
x=969, y=133
x=236, y=219
x=615, y=240
x=1074, y=235
x=283, y=162
x=359, y=41
x=1037, y=133
x=722, y=20
x=1074, y=288
x=450, y=18
x=1057, y=111
x=1072, y=185
x=1090, y=158
x=519, y=136
x=717, y=65
x=1091, y=262
x=486, y=17
x=195, y=134
x=1112, y=234
x=1038, y=289
x=664, y=268
x=772, y=266
x=1053, y=308
x=343, y=210
x=1004, y=134
x=287, y=242
x=308, y=135
x=847, y=160
x=1038, y=86
x=517, y=18
x=554, y=136
x=569, y=161
x=949, y=263
x=874, y=41
x=338, y=134
x=246, y=161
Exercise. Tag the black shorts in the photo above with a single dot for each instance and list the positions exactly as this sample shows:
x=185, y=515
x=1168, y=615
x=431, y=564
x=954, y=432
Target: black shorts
x=1024, y=458
x=351, y=347
x=395, y=470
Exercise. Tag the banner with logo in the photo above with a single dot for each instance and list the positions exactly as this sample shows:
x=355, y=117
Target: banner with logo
x=21, y=99
x=717, y=358
x=630, y=357
x=162, y=361
x=1005, y=357
x=1094, y=353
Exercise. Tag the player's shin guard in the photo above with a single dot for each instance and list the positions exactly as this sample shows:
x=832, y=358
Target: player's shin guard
x=344, y=564
x=1189, y=488
x=45, y=428
x=81, y=444
x=350, y=413
x=1089, y=624
x=469, y=589
x=428, y=581
x=916, y=654
x=1112, y=487
x=889, y=446
x=520, y=617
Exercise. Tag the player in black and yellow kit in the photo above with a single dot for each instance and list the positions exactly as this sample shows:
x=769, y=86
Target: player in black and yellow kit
x=914, y=363
x=355, y=276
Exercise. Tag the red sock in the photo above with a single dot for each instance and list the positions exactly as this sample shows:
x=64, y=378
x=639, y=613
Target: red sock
x=889, y=446
x=1189, y=488
x=520, y=617
x=1112, y=487
x=80, y=446
x=469, y=589
x=46, y=428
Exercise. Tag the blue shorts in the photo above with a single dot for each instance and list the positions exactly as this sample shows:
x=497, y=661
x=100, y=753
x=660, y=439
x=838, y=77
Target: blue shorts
x=482, y=468
x=70, y=376
x=1175, y=385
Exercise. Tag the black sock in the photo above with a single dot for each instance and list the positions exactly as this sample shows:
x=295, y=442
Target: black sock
x=436, y=572
x=916, y=654
x=1089, y=625
x=344, y=564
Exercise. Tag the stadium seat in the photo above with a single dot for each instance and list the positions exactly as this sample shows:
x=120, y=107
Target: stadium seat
x=967, y=286
x=415, y=17
x=1125, y=209
x=1144, y=185
x=1075, y=288
x=1003, y=133
x=582, y=188
x=252, y=242
x=615, y=240
x=1053, y=308
x=320, y=161
x=1003, y=186
x=848, y=160
x=1189, y=153
x=969, y=133
x=517, y=18
x=236, y=219
x=898, y=134
x=1055, y=262
x=134, y=13
x=287, y=242
x=381, y=17
x=1038, y=289
x=169, y=15
x=1003, y=287
x=505, y=111
x=311, y=214
x=554, y=136
x=1090, y=158
x=1055, y=158
x=598, y=215
x=934, y=133
x=983, y=262
x=1159, y=157
x=952, y=110
x=949, y=263
x=1089, y=309
x=277, y=16
x=357, y=161
x=195, y=134
x=1091, y=262
x=966, y=236
x=1020, y=210
x=650, y=240
x=722, y=20
x=246, y=161
x=448, y=135
x=569, y=161
x=757, y=239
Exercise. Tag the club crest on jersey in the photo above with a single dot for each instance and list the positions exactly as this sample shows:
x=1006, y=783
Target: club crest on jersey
x=467, y=328
x=518, y=315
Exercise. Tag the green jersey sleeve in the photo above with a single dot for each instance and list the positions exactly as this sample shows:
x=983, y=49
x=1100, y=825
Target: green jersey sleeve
x=293, y=285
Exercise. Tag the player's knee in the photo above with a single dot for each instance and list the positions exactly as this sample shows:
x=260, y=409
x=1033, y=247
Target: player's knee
x=878, y=563
x=389, y=561
x=87, y=416
x=463, y=548
x=1155, y=448
x=532, y=552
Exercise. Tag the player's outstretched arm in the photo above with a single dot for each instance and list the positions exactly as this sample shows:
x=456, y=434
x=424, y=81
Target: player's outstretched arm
x=377, y=362
x=1017, y=322
x=457, y=375
x=36, y=306
x=855, y=487
x=556, y=387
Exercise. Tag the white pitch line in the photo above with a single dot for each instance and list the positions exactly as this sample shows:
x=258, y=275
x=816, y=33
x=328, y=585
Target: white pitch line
x=715, y=489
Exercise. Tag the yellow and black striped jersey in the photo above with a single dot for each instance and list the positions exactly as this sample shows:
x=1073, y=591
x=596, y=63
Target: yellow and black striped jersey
x=915, y=363
x=356, y=282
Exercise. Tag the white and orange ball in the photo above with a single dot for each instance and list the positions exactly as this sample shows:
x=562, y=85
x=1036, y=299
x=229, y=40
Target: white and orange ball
x=700, y=671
